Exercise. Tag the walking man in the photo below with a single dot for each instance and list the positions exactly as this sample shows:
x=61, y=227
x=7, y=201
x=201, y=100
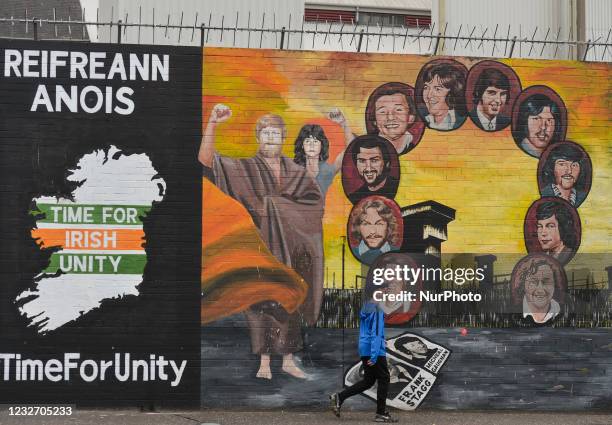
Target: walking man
x=374, y=360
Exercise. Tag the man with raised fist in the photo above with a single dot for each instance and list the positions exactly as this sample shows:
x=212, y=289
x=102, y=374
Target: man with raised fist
x=286, y=206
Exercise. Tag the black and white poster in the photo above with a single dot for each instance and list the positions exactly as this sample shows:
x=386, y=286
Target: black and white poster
x=414, y=362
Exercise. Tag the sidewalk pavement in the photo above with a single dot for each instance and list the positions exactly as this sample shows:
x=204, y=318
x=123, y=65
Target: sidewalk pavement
x=294, y=417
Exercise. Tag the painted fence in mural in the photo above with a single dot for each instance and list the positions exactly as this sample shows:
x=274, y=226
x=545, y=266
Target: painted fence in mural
x=493, y=173
x=201, y=227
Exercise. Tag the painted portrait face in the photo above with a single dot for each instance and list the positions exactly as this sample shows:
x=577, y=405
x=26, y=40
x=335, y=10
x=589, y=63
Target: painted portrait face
x=540, y=287
x=373, y=228
x=312, y=147
x=370, y=165
x=395, y=286
x=417, y=347
x=548, y=234
x=270, y=141
x=393, y=116
x=434, y=95
x=541, y=128
x=493, y=101
x=566, y=173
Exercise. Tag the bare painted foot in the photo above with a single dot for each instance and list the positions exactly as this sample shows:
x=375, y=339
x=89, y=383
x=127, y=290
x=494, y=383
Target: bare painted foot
x=264, y=371
x=291, y=368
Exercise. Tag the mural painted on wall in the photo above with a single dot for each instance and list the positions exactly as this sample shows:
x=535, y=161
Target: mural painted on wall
x=539, y=285
x=460, y=186
x=491, y=90
x=552, y=226
x=565, y=170
x=539, y=120
x=110, y=252
x=286, y=205
x=399, y=310
x=311, y=150
x=115, y=205
x=391, y=113
x=440, y=94
x=370, y=168
x=375, y=227
x=98, y=305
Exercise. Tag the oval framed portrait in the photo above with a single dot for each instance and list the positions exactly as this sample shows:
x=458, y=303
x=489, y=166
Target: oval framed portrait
x=375, y=227
x=392, y=293
x=565, y=171
x=538, y=285
x=391, y=113
x=539, y=119
x=552, y=226
x=491, y=90
x=370, y=167
x=440, y=94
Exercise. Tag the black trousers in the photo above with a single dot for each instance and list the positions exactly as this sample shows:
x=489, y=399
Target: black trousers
x=379, y=372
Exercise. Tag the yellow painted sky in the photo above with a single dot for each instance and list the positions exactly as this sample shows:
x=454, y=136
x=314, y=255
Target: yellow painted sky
x=484, y=176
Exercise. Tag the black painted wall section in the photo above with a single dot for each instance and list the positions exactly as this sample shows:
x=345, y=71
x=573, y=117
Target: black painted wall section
x=36, y=150
x=559, y=369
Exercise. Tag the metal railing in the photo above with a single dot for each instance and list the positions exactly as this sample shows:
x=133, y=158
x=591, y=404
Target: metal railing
x=315, y=35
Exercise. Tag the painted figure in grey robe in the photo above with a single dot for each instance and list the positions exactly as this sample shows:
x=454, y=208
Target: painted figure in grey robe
x=286, y=206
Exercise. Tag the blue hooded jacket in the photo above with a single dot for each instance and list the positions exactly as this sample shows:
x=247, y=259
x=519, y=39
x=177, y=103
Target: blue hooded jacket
x=371, y=332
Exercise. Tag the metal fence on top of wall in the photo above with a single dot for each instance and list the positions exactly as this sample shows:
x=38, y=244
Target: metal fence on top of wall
x=251, y=30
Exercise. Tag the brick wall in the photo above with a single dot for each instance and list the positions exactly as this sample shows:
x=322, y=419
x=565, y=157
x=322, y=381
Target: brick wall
x=98, y=205
x=279, y=273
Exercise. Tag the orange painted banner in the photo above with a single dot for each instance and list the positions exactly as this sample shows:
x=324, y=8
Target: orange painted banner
x=91, y=239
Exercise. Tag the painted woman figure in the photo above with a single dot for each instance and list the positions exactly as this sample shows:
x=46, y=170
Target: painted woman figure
x=312, y=151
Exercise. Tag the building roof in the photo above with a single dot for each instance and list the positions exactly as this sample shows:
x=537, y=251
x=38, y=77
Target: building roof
x=407, y=5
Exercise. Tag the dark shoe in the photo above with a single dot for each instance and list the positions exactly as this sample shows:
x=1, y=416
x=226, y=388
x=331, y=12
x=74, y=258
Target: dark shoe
x=334, y=404
x=386, y=418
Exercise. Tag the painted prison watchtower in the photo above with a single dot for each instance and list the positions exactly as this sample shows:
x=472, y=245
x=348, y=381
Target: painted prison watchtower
x=425, y=229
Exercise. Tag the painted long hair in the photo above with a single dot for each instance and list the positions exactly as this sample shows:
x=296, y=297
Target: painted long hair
x=569, y=153
x=310, y=130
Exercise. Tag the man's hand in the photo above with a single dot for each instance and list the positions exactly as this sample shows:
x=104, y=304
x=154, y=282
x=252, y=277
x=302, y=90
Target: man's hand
x=220, y=113
x=337, y=116
x=371, y=363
